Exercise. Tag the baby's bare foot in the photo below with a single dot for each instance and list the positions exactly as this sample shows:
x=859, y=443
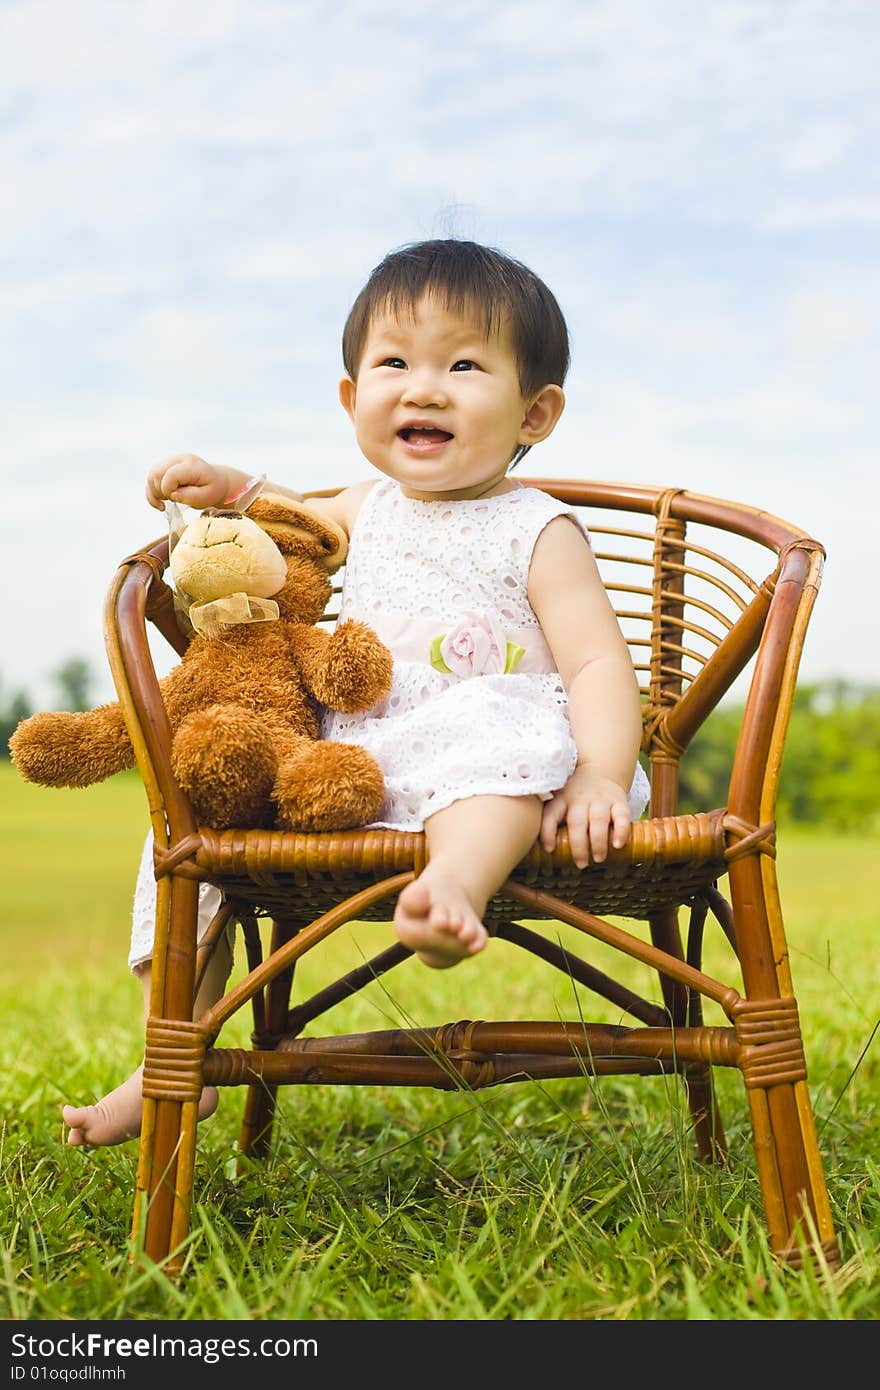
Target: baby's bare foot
x=435, y=918
x=117, y=1116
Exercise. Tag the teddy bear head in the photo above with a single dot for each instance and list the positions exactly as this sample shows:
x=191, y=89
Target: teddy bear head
x=280, y=550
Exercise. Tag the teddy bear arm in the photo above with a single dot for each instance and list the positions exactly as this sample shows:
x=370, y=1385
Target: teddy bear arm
x=346, y=670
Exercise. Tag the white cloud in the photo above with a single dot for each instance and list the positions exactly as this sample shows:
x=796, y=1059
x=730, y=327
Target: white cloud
x=817, y=147
x=793, y=214
x=192, y=195
x=824, y=321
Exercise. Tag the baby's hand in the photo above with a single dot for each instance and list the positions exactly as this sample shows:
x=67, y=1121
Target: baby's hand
x=188, y=479
x=591, y=806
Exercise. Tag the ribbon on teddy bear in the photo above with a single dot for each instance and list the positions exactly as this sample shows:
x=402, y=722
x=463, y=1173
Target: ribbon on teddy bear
x=212, y=618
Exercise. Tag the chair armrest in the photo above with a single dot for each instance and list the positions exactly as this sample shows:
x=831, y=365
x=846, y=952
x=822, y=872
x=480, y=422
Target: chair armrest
x=137, y=591
x=773, y=625
x=758, y=758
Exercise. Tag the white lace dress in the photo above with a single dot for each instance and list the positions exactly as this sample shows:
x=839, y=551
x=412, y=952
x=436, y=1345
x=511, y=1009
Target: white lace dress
x=476, y=706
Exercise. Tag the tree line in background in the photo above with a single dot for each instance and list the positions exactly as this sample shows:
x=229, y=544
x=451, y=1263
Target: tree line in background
x=830, y=771
x=830, y=767
x=73, y=682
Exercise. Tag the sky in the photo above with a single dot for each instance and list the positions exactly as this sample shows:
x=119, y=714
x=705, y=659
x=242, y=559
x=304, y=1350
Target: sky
x=191, y=196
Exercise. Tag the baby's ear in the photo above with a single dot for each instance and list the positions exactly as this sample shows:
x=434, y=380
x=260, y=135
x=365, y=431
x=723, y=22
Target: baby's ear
x=300, y=530
x=543, y=414
x=347, y=393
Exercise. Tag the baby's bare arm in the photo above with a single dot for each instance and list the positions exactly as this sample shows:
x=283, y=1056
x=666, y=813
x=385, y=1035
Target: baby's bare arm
x=193, y=481
x=569, y=599
x=343, y=506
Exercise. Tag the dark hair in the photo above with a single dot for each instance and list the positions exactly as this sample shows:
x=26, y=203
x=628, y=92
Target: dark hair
x=466, y=276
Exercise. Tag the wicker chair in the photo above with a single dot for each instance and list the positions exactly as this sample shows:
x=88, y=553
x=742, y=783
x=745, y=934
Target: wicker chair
x=675, y=565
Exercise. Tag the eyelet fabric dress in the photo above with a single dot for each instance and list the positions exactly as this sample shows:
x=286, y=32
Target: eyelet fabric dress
x=476, y=707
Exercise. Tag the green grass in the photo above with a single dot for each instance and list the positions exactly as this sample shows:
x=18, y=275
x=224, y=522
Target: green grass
x=571, y=1200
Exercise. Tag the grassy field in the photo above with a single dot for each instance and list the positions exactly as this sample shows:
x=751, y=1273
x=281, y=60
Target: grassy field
x=564, y=1201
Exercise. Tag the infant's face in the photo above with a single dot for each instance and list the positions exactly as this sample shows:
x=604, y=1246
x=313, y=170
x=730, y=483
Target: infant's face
x=437, y=405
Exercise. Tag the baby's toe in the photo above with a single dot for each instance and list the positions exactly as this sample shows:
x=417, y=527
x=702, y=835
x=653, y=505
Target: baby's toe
x=445, y=919
x=74, y=1116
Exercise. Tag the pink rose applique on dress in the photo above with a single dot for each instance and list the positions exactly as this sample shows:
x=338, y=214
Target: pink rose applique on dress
x=476, y=646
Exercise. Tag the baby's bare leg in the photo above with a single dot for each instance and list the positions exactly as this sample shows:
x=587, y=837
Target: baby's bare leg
x=117, y=1116
x=473, y=845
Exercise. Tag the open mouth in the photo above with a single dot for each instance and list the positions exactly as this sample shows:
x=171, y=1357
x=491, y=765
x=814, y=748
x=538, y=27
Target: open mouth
x=422, y=434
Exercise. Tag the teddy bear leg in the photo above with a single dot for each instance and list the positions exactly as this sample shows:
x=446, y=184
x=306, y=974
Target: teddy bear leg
x=58, y=749
x=328, y=786
x=225, y=760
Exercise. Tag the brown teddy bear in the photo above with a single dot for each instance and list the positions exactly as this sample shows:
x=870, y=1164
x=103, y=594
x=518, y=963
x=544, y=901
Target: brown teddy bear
x=244, y=703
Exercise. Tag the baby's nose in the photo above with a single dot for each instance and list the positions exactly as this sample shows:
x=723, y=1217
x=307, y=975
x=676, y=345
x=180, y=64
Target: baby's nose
x=424, y=388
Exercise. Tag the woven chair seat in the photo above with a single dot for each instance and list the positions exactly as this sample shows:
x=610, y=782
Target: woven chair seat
x=299, y=876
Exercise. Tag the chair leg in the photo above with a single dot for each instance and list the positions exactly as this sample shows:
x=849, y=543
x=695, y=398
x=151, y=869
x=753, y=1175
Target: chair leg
x=699, y=1088
x=699, y=1081
x=255, y=1135
x=172, y=1086
x=773, y=1066
x=790, y=1169
x=708, y=1128
x=165, y=1176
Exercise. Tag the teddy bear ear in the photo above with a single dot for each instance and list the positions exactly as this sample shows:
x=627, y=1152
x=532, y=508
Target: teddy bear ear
x=298, y=529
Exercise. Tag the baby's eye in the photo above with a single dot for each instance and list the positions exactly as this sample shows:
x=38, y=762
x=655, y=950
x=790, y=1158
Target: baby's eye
x=464, y=364
x=397, y=362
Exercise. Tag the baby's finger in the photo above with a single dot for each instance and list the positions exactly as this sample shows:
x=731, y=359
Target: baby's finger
x=579, y=837
x=163, y=479
x=187, y=478
x=196, y=495
x=599, y=825
x=621, y=824
x=552, y=816
x=154, y=487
